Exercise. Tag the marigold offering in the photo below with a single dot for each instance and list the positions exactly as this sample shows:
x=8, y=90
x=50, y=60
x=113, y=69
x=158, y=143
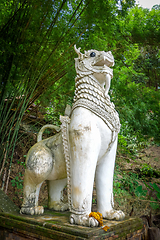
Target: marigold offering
x=99, y=218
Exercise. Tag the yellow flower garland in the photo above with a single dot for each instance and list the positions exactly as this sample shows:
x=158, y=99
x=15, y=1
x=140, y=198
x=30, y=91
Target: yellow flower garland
x=99, y=218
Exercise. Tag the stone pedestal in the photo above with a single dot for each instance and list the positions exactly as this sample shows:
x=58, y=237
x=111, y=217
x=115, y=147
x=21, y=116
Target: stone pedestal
x=55, y=225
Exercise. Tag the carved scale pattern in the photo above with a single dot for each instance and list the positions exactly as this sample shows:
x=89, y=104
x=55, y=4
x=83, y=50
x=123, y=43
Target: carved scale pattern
x=89, y=94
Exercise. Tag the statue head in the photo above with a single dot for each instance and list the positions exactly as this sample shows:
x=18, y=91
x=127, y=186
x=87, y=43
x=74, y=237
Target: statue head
x=93, y=61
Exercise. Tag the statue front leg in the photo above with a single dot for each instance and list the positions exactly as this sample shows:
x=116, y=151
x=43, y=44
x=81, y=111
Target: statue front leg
x=104, y=186
x=84, y=148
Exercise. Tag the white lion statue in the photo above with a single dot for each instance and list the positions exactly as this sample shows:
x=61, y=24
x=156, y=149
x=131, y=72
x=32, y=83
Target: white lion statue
x=84, y=150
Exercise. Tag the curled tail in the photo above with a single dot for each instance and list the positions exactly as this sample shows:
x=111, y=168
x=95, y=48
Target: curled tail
x=51, y=126
x=39, y=136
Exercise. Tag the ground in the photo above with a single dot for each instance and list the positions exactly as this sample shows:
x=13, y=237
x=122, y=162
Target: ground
x=131, y=172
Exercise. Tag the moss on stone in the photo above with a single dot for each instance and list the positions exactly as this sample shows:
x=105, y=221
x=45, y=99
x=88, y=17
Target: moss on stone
x=6, y=205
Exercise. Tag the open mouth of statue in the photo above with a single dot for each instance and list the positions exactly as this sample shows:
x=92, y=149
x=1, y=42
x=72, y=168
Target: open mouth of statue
x=104, y=62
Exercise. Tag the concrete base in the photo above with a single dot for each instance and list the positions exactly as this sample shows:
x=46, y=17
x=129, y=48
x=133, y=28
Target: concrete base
x=55, y=225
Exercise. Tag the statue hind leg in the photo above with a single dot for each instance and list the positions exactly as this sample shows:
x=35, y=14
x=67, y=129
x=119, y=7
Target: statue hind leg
x=104, y=185
x=39, y=165
x=31, y=194
x=55, y=195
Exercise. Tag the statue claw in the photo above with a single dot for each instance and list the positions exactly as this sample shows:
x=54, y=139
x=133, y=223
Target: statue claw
x=114, y=214
x=93, y=222
x=32, y=210
x=83, y=220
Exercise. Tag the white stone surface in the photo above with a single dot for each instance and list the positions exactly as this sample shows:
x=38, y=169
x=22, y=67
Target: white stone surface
x=84, y=150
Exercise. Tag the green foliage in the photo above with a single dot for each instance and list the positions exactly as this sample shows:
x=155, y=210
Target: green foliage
x=143, y=25
x=128, y=138
x=17, y=182
x=127, y=184
x=124, y=184
x=140, y=192
x=22, y=163
x=148, y=74
x=147, y=171
x=136, y=76
x=154, y=202
x=127, y=181
x=139, y=110
x=57, y=104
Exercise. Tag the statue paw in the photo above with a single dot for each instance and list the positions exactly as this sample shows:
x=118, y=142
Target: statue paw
x=83, y=220
x=114, y=214
x=59, y=206
x=93, y=222
x=37, y=210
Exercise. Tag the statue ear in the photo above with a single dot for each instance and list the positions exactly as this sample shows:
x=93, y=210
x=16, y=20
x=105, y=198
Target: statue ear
x=80, y=55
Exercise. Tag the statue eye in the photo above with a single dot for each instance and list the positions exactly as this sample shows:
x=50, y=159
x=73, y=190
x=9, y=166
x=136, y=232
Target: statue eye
x=92, y=54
